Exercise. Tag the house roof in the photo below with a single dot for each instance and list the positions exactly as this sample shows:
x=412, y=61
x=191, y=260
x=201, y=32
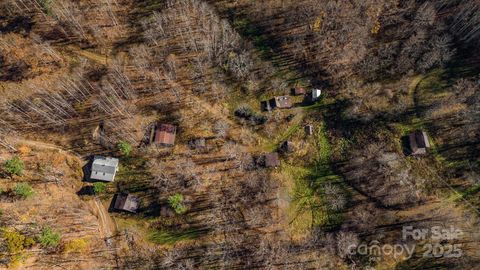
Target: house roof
x=266, y=106
x=298, y=91
x=309, y=129
x=272, y=160
x=282, y=101
x=165, y=134
x=126, y=202
x=418, y=142
x=316, y=93
x=286, y=147
x=104, y=168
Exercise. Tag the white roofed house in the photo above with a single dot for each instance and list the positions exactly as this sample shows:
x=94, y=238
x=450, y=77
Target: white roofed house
x=104, y=169
x=316, y=93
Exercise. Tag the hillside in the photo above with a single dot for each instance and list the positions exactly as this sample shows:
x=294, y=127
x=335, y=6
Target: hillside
x=249, y=134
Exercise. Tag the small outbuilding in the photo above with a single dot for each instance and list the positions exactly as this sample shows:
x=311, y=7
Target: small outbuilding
x=272, y=160
x=282, y=102
x=126, y=202
x=298, y=91
x=165, y=135
x=316, y=93
x=104, y=168
x=419, y=143
x=308, y=130
x=266, y=107
x=286, y=147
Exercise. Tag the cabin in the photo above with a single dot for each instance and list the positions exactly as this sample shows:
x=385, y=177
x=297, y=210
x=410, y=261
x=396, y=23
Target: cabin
x=419, y=143
x=286, y=147
x=165, y=135
x=125, y=202
x=104, y=168
x=316, y=93
x=298, y=91
x=308, y=130
x=281, y=102
x=272, y=160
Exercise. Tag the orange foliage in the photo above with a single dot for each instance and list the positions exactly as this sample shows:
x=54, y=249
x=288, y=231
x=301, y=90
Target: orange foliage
x=24, y=150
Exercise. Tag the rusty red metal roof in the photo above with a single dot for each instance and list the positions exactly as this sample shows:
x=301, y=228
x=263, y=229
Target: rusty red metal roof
x=165, y=134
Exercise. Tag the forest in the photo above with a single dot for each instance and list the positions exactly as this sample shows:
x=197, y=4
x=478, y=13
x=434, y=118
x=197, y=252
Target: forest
x=239, y=134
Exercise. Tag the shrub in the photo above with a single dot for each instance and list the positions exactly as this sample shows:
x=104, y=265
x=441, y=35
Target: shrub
x=49, y=238
x=99, y=187
x=45, y=4
x=16, y=242
x=176, y=202
x=244, y=112
x=125, y=148
x=76, y=245
x=14, y=166
x=247, y=113
x=24, y=190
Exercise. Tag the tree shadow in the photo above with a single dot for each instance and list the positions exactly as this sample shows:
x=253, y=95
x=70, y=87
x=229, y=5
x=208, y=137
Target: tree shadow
x=405, y=143
x=111, y=207
x=20, y=24
x=87, y=170
x=86, y=191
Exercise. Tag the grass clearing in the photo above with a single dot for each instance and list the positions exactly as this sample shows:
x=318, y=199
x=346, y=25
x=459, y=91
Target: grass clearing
x=425, y=90
x=272, y=145
x=310, y=206
x=167, y=237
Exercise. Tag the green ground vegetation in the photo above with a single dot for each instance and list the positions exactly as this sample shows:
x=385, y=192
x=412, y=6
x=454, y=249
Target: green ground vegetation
x=14, y=166
x=176, y=202
x=49, y=238
x=24, y=190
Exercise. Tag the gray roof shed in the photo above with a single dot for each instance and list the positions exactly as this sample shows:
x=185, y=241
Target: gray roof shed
x=419, y=142
x=104, y=168
x=126, y=202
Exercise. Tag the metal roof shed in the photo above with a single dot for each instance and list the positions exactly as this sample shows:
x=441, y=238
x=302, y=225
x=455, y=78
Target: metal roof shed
x=104, y=168
x=126, y=202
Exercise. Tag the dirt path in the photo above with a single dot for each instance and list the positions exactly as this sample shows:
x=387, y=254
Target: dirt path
x=41, y=145
x=107, y=226
x=413, y=91
x=95, y=57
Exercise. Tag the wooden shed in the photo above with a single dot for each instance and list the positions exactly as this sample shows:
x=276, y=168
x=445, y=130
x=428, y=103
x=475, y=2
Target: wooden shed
x=419, y=143
x=308, y=130
x=298, y=91
x=286, y=147
x=272, y=160
x=165, y=135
